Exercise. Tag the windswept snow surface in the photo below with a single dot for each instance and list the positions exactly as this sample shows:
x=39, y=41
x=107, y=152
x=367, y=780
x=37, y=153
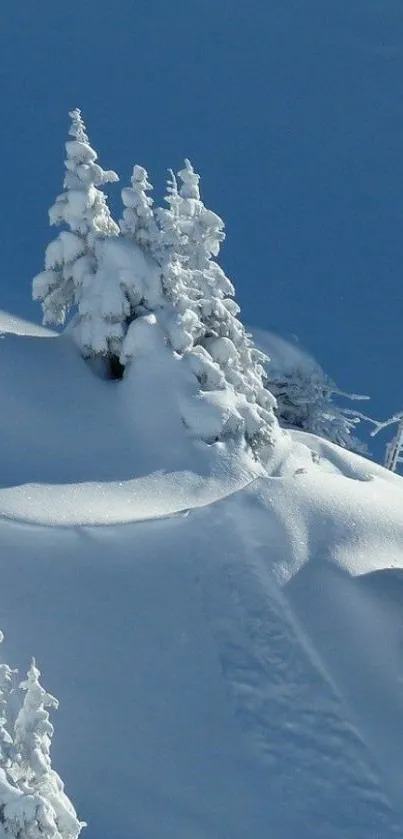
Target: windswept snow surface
x=226, y=645
x=13, y=324
x=285, y=355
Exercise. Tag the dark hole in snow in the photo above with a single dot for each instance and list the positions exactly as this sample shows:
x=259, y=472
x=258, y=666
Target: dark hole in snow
x=108, y=368
x=116, y=369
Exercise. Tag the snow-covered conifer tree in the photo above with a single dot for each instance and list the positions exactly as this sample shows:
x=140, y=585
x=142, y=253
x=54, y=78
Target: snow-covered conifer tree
x=167, y=217
x=204, y=326
x=138, y=222
x=6, y=741
x=33, y=729
x=71, y=258
x=306, y=400
x=33, y=771
x=32, y=802
x=202, y=230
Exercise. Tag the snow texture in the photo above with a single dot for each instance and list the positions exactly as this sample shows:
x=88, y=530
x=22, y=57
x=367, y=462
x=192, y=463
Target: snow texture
x=226, y=642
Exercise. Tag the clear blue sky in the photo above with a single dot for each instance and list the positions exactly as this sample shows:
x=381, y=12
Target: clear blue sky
x=292, y=110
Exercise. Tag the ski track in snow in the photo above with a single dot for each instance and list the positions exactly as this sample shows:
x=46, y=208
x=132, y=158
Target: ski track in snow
x=290, y=713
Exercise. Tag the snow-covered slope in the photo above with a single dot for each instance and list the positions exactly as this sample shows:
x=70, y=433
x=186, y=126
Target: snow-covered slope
x=226, y=645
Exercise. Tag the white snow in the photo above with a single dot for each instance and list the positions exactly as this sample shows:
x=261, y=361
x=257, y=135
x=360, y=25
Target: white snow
x=284, y=355
x=10, y=323
x=226, y=645
x=159, y=495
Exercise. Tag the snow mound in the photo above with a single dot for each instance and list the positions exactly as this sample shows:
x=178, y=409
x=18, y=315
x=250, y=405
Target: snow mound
x=234, y=671
x=117, y=502
x=112, y=465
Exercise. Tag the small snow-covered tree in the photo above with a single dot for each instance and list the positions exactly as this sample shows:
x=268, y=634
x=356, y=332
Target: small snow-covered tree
x=71, y=258
x=32, y=802
x=204, y=324
x=6, y=741
x=138, y=222
x=33, y=729
x=137, y=257
x=201, y=229
x=32, y=768
x=394, y=448
x=167, y=217
x=306, y=400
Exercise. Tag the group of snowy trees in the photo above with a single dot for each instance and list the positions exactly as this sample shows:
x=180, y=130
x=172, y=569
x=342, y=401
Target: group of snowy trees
x=33, y=804
x=157, y=272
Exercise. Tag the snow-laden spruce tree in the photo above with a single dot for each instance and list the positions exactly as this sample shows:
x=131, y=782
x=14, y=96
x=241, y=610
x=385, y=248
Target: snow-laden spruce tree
x=72, y=259
x=203, y=325
x=138, y=222
x=32, y=802
x=6, y=741
x=32, y=768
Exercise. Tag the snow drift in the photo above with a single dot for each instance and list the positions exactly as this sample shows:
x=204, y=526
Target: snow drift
x=225, y=644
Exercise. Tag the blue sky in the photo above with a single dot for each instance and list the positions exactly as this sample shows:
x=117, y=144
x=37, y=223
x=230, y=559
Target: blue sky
x=292, y=110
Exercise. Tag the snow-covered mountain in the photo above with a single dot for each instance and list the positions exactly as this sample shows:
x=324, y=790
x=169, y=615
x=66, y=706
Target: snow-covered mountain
x=226, y=644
